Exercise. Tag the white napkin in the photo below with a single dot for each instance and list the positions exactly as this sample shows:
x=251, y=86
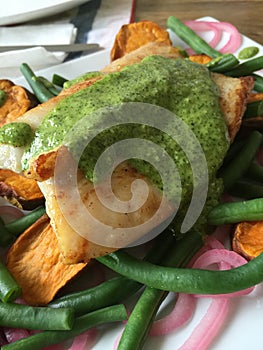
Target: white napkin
x=37, y=58
x=111, y=15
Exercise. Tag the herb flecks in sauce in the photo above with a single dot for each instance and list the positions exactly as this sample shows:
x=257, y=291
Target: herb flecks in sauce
x=181, y=86
x=16, y=134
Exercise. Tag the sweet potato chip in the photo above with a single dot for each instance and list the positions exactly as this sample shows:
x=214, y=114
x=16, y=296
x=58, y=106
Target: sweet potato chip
x=202, y=59
x=17, y=101
x=37, y=264
x=255, y=96
x=248, y=239
x=20, y=191
x=134, y=35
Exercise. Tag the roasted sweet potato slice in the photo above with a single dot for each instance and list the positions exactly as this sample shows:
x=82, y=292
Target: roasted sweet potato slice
x=37, y=264
x=248, y=239
x=255, y=96
x=17, y=101
x=201, y=59
x=134, y=35
x=20, y=191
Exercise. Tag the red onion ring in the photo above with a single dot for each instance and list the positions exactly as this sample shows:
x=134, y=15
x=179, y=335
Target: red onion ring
x=218, y=28
x=8, y=213
x=117, y=340
x=181, y=313
x=208, y=328
x=225, y=259
x=85, y=340
x=235, y=39
x=210, y=243
x=14, y=334
x=202, y=26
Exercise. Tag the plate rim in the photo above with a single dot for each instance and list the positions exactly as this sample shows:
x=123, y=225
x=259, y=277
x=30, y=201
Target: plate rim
x=43, y=11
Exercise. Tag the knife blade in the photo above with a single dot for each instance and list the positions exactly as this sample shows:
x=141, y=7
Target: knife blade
x=54, y=48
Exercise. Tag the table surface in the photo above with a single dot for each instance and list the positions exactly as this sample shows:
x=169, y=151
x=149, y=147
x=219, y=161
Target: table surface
x=245, y=15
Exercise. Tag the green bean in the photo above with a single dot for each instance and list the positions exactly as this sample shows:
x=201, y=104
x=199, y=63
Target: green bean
x=233, y=150
x=255, y=172
x=254, y=109
x=144, y=312
x=41, y=340
x=18, y=226
x=58, y=80
x=247, y=67
x=107, y=293
x=41, y=318
x=39, y=89
x=186, y=280
x=231, y=213
x=50, y=86
x=9, y=289
x=2, y=97
x=140, y=321
x=191, y=38
x=116, y=289
x=246, y=190
x=5, y=236
x=238, y=167
x=222, y=63
x=258, y=82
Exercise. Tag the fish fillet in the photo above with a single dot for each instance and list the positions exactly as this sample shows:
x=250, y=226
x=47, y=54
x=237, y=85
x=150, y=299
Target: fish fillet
x=233, y=94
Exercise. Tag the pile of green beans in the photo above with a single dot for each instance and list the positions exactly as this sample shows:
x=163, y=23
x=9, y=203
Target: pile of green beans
x=240, y=164
x=144, y=312
x=227, y=63
x=81, y=324
x=41, y=87
x=116, y=289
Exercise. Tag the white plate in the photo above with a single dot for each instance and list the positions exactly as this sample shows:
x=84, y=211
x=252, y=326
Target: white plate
x=17, y=11
x=243, y=328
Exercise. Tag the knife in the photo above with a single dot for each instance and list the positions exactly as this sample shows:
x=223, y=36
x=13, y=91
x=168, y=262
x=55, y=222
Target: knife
x=53, y=48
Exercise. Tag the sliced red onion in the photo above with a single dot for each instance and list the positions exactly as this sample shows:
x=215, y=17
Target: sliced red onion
x=116, y=343
x=210, y=243
x=14, y=334
x=203, y=26
x=213, y=243
x=225, y=260
x=218, y=28
x=222, y=234
x=209, y=326
x=181, y=313
x=3, y=340
x=55, y=347
x=85, y=340
x=9, y=213
x=235, y=39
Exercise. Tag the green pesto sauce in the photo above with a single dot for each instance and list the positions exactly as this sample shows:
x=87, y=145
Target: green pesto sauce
x=181, y=86
x=81, y=78
x=16, y=134
x=248, y=52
